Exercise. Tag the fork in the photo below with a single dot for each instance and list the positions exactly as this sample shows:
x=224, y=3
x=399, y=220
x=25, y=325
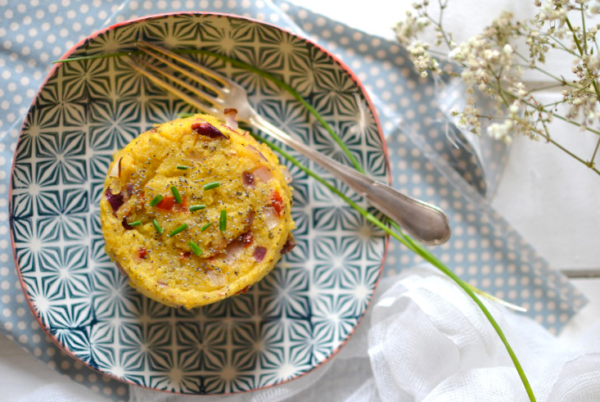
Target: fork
x=423, y=221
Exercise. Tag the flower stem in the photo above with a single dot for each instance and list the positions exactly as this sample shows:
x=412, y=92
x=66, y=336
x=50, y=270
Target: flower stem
x=582, y=51
x=562, y=45
x=589, y=164
x=549, y=86
x=439, y=24
x=560, y=117
x=502, y=93
x=574, y=36
x=583, y=30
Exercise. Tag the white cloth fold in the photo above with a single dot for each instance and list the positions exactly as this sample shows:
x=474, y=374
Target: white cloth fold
x=424, y=340
x=62, y=392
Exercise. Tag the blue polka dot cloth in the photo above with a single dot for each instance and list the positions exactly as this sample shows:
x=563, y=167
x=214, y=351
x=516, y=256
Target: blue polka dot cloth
x=430, y=158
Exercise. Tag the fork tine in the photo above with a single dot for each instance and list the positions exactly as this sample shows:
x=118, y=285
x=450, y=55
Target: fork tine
x=220, y=78
x=170, y=88
x=219, y=90
x=210, y=99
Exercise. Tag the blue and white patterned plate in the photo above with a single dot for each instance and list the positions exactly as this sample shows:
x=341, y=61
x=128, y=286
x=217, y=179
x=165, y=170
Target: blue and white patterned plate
x=294, y=320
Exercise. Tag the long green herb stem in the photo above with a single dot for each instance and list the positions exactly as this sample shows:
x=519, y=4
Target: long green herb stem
x=418, y=249
x=406, y=240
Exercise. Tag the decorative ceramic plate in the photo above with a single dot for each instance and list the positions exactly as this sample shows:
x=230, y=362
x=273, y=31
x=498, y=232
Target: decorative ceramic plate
x=295, y=319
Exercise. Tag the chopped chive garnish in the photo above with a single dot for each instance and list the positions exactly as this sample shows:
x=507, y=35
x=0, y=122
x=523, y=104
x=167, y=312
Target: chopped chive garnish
x=223, y=221
x=176, y=194
x=195, y=248
x=203, y=228
x=212, y=185
x=197, y=207
x=136, y=223
x=157, y=226
x=179, y=229
x=156, y=200
x=183, y=167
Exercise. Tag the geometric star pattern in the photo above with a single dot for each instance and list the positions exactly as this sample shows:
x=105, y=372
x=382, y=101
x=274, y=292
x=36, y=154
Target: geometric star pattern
x=286, y=325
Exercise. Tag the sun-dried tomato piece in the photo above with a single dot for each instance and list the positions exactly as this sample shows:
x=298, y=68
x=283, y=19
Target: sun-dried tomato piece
x=142, y=253
x=166, y=203
x=277, y=202
x=247, y=239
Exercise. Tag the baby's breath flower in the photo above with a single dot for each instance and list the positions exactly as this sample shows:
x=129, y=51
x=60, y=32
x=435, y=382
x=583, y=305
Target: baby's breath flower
x=422, y=60
x=491, y=63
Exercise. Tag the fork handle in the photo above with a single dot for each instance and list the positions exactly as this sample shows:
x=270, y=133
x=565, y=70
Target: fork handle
x=423, y=221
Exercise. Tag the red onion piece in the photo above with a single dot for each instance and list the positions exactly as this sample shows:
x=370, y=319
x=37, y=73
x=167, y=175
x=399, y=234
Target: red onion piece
x=126, y=224
x=216, y=279
x=289, y=245
x=233, y=251
x=259, y=253
x=142, y=252
x=256, y=151
x=248, y=179
x=115, y=200
x=230, y=118
x=250, y=218
x=286, y=174
x=162, y=284
x=263, y=173
x=277, y=202
x=207, y=130
x=271, y=217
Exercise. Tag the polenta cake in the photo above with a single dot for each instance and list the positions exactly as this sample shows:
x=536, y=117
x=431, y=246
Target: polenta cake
x=194, y=211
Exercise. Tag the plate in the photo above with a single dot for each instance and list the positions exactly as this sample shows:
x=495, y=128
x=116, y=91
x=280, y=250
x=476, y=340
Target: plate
x=292, y=321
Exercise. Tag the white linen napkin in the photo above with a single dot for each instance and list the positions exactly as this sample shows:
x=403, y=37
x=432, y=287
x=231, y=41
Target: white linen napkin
x=424, y=340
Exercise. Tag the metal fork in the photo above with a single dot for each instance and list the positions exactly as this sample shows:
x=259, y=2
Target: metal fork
x=423, y=221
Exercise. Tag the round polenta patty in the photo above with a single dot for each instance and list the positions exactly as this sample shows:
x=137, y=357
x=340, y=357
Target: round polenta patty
x=194, y=211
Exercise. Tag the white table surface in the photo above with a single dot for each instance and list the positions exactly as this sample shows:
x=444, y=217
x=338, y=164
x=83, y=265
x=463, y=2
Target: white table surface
x=551, y=200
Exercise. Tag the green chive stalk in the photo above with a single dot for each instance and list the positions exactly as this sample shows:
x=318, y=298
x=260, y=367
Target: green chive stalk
x=410, y=243
x=416, y=248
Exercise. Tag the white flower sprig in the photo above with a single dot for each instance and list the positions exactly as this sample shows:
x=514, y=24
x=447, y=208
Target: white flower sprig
x=491, y=63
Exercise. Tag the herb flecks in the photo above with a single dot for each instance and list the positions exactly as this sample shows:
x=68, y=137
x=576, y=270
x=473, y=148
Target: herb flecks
x=176, y=195
x=158, y=228
x=178, y=229
x=211, y=186
x=195, y=248
x=223, y=221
